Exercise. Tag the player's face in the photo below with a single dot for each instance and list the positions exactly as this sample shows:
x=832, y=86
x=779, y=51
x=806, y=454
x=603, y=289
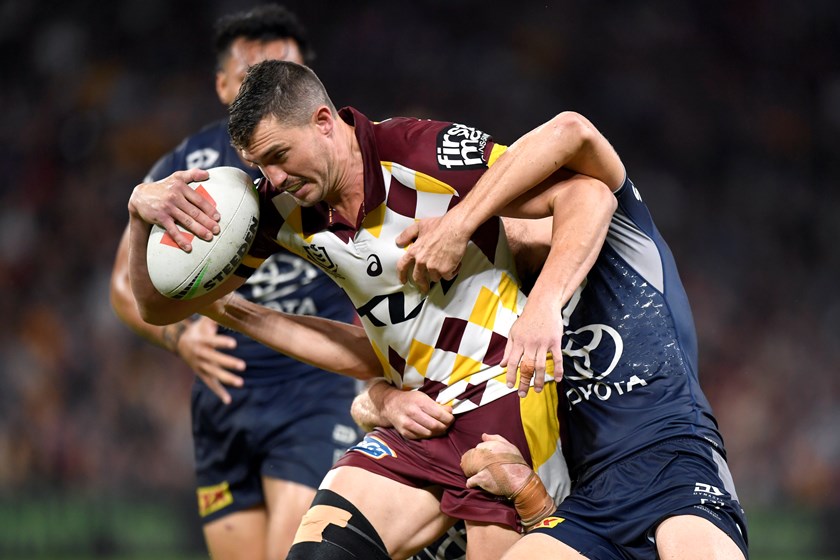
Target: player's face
x=244, y=53
x=295, y=159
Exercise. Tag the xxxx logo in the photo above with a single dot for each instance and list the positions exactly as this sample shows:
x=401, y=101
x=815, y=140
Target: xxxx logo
x=213, y=498
x=548, y=523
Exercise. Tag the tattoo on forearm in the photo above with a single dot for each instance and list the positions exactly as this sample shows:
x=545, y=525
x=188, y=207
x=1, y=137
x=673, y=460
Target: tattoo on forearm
x=172, y=334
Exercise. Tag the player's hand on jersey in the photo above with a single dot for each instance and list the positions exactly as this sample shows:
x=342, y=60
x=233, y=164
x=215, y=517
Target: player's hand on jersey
x=535, y=337
x=199, y=346
x=434, y=250
x=414, y=414
x=496, y=465
x=171, y=202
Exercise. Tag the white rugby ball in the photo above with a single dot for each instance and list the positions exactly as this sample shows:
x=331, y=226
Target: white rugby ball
x=181, y=275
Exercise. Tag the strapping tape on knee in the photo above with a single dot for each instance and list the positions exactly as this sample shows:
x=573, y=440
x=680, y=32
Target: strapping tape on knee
x=334, y=529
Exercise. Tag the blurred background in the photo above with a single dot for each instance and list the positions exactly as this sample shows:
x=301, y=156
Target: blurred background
x=727, y=116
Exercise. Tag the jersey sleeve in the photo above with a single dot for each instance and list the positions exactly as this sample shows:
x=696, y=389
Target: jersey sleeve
x=452, y=153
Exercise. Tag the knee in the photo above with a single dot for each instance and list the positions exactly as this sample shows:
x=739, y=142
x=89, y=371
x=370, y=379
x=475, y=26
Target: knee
x=334, y=529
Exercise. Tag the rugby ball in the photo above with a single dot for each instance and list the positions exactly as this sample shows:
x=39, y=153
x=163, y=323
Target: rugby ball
x=181, y=275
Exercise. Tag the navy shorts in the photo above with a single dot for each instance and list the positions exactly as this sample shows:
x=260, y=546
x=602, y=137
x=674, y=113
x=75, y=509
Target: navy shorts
x=290, y=430
x=614, y=514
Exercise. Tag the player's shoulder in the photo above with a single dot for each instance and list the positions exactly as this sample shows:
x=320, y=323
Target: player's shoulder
x=206, y=148
x=432, y=145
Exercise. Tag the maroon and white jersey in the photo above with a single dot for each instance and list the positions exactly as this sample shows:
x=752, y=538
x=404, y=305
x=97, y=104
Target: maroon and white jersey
x=448, y=343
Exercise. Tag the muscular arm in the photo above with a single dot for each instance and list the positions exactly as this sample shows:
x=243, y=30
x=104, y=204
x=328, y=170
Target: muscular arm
x=324, y=343
x=197, y=342
x=564, y=169
x=413, y=414
x=168, y=203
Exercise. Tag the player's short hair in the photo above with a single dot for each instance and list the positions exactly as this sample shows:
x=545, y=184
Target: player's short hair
x=279, y=88
x=267, y=22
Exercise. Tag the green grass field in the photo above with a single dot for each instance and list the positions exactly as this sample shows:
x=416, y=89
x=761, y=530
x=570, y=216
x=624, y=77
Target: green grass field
x=137, y=528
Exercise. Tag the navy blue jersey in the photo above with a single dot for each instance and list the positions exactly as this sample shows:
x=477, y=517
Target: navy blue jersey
x=284, y=281
x=630, y=355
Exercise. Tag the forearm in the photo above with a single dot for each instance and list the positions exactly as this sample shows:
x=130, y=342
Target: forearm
x=125, y=306
x=582, y=209
x=368, y=405
x=568, y=142
x=324, y=343
x=152, y=306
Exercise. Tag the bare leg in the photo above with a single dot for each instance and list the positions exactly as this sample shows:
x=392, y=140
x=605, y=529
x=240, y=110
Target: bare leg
x=238, y=536
x=287, y=502
x=540, y=545
x=406, y=518
x=689, y=537
x=487, y=541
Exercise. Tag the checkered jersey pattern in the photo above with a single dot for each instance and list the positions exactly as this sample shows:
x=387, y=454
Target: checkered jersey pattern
x=449, y=342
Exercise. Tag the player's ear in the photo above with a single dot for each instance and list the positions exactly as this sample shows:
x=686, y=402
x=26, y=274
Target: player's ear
x=222, y=88
x=323, y=119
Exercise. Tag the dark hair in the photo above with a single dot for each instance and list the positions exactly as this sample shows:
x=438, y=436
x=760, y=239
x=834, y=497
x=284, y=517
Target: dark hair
x=267, y=22
x=285, y=90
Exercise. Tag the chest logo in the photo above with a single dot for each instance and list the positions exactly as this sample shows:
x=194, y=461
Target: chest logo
x=374, y=267
x=318, y=255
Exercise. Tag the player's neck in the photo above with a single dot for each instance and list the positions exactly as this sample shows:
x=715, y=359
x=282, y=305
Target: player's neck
x=349, y=195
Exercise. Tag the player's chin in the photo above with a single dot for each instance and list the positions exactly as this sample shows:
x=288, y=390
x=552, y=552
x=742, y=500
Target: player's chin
x=306, y=196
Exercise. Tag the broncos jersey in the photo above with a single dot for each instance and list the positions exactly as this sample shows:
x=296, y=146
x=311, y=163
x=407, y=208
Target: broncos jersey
x=630, y=354
x=284, y=282
x=448, y=343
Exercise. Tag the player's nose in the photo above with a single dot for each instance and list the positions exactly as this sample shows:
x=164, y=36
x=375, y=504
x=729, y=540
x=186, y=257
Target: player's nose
x=275, y=175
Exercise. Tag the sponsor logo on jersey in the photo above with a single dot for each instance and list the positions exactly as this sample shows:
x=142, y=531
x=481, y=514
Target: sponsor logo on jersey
x=461, y=147
x=373, y=447
x=710, y=496
x=203, y=158
x=549, y=523
x=595, y=351
x=213, y=498
x=396, y=307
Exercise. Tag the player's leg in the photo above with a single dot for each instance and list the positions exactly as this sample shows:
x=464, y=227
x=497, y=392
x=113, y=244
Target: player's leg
x=689, y=537
x=230, y=497
x=305, y=426
x=238, y=536
x=286, y=503
x=540, y=545
x=367, y=515
x=488, y=541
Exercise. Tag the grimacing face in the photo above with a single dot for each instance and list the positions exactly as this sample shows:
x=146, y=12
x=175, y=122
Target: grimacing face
x=294, y=158
x=244, y=53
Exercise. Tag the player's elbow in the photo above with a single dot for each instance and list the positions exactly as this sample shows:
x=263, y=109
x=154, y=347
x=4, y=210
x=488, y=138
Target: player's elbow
x=156, y=315
x=571, y=125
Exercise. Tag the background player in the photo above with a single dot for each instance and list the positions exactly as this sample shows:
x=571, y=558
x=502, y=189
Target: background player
x=263, y=444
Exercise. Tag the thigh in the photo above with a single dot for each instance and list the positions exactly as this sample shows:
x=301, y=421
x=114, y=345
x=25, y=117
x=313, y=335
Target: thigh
x=286, y=503
x=300, y=433
x=487, y=541
x=406, y=518
x=227, y=472
x=539, y=545
x=689, y=537
x=238, y=536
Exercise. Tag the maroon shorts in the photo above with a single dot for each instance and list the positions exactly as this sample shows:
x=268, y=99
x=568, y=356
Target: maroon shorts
x=437, y=461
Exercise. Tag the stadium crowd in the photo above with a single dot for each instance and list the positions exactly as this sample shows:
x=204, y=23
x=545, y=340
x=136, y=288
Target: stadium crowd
x=729, y=115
